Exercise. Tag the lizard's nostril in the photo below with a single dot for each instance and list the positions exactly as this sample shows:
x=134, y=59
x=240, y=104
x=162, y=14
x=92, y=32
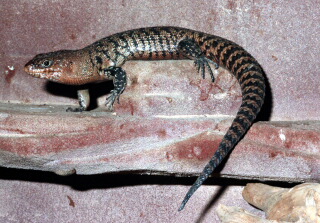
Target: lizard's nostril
x=27, y=68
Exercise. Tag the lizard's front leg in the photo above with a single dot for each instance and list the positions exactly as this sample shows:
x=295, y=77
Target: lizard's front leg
x=190, y=49
x=84, y=101
x=119, y=82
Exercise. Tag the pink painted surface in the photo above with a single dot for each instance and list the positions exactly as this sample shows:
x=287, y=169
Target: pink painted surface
x=169, y=120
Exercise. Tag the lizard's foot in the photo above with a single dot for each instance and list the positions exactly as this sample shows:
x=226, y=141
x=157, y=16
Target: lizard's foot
x=190, y=49
x=77, y=109
x=114, y=95
x=202, y=63
x=83, y=99
x=119, y=82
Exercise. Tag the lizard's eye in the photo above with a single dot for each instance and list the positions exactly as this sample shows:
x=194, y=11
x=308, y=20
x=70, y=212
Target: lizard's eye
x=47, y=63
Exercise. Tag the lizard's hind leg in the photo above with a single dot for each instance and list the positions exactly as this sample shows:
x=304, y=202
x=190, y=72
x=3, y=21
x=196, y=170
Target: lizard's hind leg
x=191, y=50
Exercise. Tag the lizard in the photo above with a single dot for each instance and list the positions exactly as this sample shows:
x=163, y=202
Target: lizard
x=102, y=60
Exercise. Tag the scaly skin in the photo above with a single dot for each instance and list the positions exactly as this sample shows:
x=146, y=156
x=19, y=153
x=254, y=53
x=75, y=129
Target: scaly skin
x=103, y=59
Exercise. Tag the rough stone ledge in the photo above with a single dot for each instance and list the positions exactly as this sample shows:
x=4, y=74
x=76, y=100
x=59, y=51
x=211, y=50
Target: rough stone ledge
x=47, y=138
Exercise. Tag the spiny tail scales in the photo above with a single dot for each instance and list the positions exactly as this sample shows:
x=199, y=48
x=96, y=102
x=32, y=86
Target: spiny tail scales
x=250, y=76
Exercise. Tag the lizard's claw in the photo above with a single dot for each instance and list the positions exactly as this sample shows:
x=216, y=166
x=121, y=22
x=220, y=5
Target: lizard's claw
x=114, y=96
x=202, y=63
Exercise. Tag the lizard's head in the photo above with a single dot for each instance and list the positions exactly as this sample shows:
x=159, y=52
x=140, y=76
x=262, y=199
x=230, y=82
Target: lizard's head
x=65, y=66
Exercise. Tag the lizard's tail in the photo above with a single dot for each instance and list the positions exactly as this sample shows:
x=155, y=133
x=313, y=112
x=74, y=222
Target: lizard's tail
x=250, y=76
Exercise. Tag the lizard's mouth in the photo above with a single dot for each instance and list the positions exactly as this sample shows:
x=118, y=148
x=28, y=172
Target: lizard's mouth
x=46, y=73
